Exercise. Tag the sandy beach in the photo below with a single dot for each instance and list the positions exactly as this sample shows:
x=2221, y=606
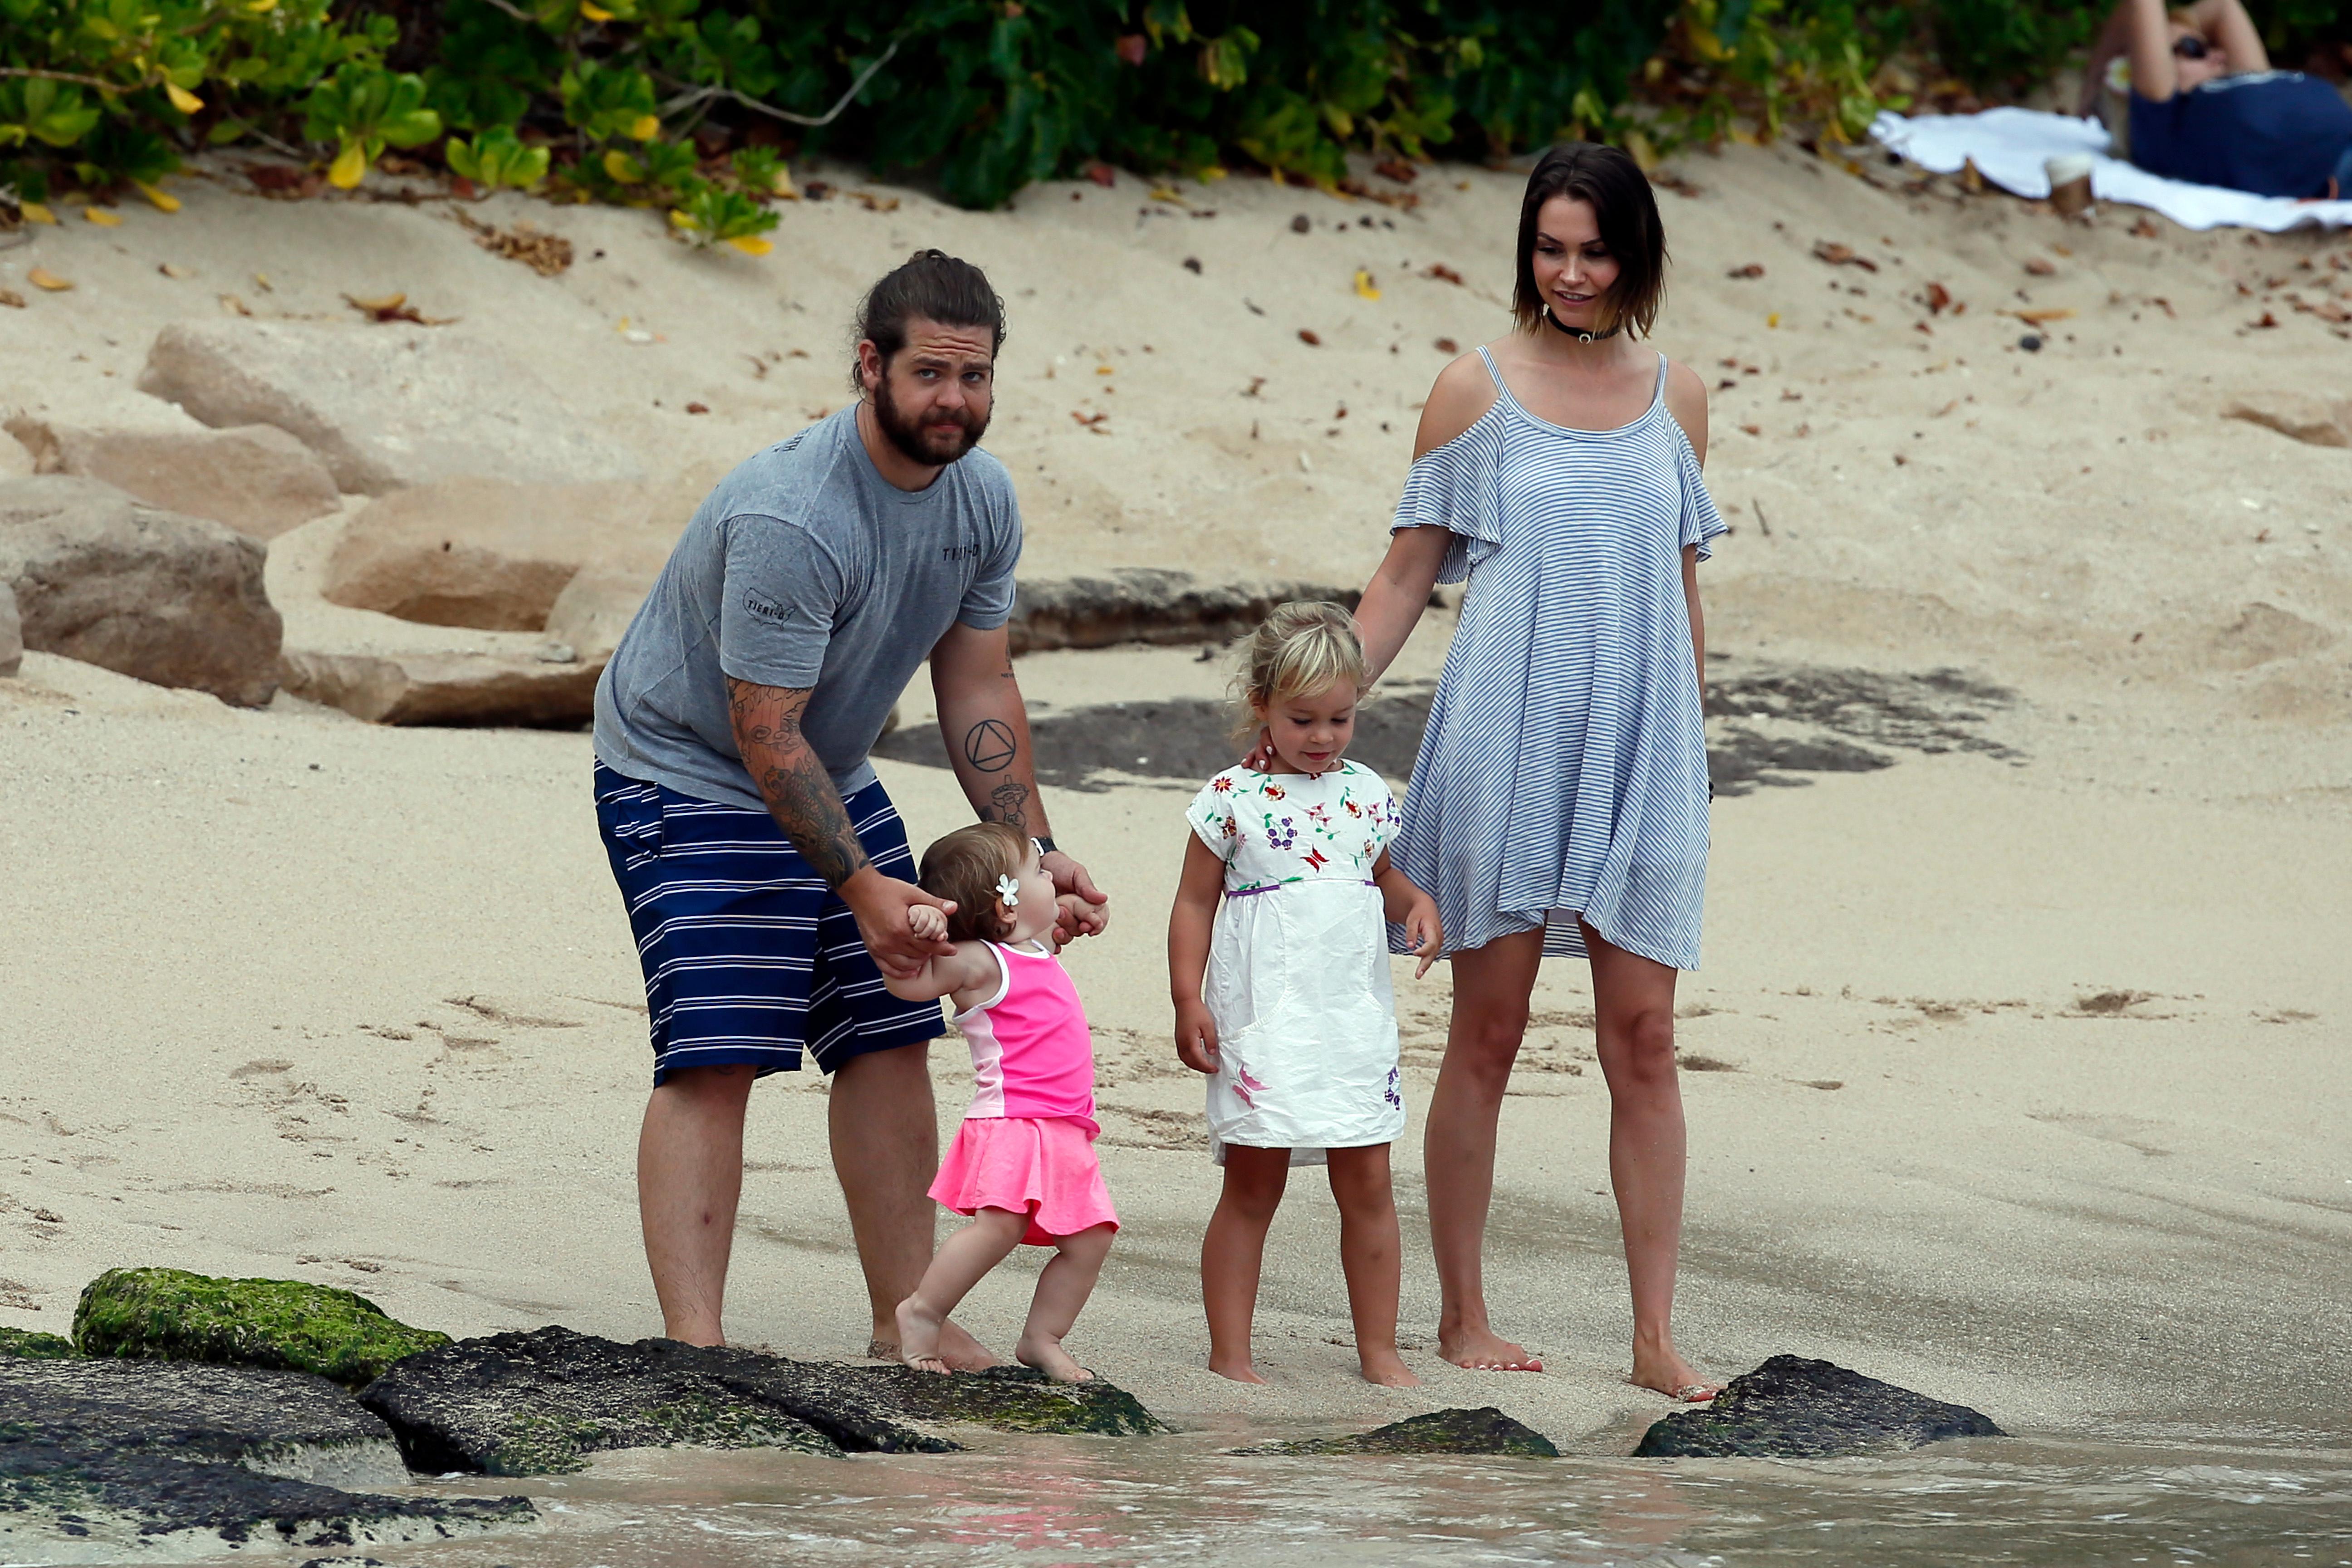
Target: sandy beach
x=2017, y=1063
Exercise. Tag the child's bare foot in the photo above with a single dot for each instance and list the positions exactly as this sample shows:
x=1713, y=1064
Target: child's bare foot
x=1238, y=1368
x=1388, y=1369
x=1482, y=1350
x=1048, y=1357
x=963, y=1352
x=919, y=1336
x=1664, y=1372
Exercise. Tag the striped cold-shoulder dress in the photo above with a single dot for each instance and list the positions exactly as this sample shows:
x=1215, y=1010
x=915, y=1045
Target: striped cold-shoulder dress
x=1563, y=773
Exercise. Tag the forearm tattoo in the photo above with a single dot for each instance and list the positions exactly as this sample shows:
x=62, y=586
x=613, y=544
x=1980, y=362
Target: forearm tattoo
x=792, y=779
x=1008, y=802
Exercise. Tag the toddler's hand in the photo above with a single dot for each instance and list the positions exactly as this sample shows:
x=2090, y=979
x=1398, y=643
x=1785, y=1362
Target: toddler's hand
x=1424, y=931
x=927, y=923
x=1196, y=1036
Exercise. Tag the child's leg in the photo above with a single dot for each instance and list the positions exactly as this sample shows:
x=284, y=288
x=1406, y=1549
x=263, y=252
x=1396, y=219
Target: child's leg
x=1062, y=1286
x=1369, y=1254
x=956, y=1268
x=1232, y=1250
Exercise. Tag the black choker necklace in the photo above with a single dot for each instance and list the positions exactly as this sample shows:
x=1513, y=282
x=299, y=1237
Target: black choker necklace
x=1579, y=334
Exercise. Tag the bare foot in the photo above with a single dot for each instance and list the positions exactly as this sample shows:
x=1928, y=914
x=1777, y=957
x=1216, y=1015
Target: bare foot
x=1239, y=1370
x=1664, y=1372
x=963, y=1352
x=1048, y=1357
x=919, y=1336
x=1483, y=1349
x=1388, y=1369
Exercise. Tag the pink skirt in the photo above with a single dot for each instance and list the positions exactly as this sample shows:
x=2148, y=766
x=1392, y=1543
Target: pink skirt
x=1042, y=1166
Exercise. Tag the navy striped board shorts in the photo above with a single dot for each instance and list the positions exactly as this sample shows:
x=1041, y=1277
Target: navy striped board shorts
x=749, y=956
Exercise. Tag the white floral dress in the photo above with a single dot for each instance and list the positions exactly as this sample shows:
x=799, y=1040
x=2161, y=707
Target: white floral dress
x=1298, y=966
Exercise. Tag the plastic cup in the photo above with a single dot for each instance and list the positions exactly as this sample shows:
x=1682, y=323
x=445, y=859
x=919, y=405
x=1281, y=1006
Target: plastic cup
x=2070, y=183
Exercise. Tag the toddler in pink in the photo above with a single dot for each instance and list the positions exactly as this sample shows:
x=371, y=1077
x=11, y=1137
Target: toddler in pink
x=1022, y=1164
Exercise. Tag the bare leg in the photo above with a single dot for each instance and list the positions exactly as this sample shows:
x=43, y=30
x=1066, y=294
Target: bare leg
x=1371, y=1256
x=1633, y=998
x=885, y=1148
x=690, y=1178
x=1062, y=1286
x=1491, y=987
x=1232, y=1251
x=962, y=1263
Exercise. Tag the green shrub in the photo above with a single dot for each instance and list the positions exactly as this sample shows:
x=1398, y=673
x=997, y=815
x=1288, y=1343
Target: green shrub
x=979, y=97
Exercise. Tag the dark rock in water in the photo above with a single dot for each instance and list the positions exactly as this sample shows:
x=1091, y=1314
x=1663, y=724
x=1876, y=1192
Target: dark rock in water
x=1486, y=1431
x=132, y=1455
x=1794, y=1408
x=539, y=1402
x=165, y=1314
x=30, y=1342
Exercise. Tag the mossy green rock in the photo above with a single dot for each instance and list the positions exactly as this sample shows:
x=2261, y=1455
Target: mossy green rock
x=36, y=1345
x=1485, y=1431
x=166, y=1314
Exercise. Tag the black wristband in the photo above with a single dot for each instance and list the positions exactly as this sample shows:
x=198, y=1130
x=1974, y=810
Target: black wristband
x=1045, y=846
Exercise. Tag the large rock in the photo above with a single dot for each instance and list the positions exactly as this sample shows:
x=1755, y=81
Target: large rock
x=102, y=1460
x=2299, y=416
x=492, y=553
x=1794, y=1408
x=1148, y=604
x=167, y=1314
x=537, y=1403
x=1483, y=1431
x=257, y=478
x=12, y=632
x=553, y=687
x=102, y=578
x=386, y=406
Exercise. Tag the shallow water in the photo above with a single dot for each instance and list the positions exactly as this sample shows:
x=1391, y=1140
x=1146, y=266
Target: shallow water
x=2274, y=1497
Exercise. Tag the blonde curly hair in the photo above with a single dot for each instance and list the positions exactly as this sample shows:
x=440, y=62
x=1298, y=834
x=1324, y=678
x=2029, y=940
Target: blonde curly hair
x=1307, y=644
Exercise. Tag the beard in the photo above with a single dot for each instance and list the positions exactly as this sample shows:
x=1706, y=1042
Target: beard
x=947, y=437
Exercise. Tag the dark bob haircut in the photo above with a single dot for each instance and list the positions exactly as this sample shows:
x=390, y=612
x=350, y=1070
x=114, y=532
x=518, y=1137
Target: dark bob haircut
x=930, y=284
x=1628, y=217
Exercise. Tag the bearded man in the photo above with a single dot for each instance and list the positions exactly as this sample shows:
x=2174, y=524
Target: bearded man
x=766, y=874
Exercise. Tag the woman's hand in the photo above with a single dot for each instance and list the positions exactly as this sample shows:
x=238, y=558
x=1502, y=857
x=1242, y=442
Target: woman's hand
x=1424, y=931
x=1196, y=1036
x=1261, y=756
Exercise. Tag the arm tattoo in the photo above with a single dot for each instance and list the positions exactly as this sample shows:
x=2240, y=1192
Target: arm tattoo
x=1007, y=803
x=989, y=746
x=792, y=779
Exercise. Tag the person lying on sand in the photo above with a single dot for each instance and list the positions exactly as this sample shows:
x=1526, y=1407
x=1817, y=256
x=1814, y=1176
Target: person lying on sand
x=765, y=872
x=2207, y=107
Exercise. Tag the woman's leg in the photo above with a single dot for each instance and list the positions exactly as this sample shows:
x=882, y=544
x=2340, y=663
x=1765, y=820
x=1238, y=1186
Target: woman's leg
x=1491, y=986
x=1232, y=1251
x=1370, y=1255
x=956, y=1268
x=1633, y=1001
x=1062, y=1286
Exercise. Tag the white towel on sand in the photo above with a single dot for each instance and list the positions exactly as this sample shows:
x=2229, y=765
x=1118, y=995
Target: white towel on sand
x=2010, y=146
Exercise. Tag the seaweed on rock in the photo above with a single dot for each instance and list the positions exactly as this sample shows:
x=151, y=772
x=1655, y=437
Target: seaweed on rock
x=34, y=1344
x=1482, y=1431
x=168, y=1314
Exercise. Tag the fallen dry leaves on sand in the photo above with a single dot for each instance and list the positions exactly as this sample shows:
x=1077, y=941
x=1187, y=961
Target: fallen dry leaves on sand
x=1838, y=255
x=545, y=253
x=1310, y=339
x=1443, y=274
x=12, y=300
x=1753, y=269
x=394, y=307
x=42, y=278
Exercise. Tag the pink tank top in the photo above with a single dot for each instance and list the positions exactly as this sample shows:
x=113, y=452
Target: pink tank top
x=1032, y=1053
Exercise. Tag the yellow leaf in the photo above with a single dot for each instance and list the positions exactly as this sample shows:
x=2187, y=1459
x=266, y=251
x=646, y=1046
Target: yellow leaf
x=677, y=219
x=752, y=244
x=1773, y=320
x=784, y=188
x=1364, y=288
x=381, y=302
x=622, y=167
x=1166, y=193
x=647, y=127
x=184, y=100
x=594, y=13
x=35, y=213
x=1213, y=172
x=42, y=278
x=349, y=166
x=101, y=217
x=163, y=200
x=261, y=8
x=1644, y=154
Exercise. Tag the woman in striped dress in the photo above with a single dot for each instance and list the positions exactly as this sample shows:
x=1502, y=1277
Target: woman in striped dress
x=1559, y=806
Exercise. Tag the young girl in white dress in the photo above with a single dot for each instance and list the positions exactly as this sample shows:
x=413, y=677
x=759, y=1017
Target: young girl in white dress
x=1278, y=960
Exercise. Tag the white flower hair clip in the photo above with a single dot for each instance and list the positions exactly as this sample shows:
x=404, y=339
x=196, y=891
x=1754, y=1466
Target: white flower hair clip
x=1009, y=892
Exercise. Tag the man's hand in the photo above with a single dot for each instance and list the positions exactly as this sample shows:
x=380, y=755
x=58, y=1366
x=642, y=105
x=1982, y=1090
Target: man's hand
x=887, y=910
x=1196, y=1036
x=1085, y=915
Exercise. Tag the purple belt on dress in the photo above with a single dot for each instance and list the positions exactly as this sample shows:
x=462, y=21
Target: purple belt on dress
x=1270, y=886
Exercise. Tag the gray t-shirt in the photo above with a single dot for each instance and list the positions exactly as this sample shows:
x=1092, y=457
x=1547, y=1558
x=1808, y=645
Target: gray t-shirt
x=805, y=568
